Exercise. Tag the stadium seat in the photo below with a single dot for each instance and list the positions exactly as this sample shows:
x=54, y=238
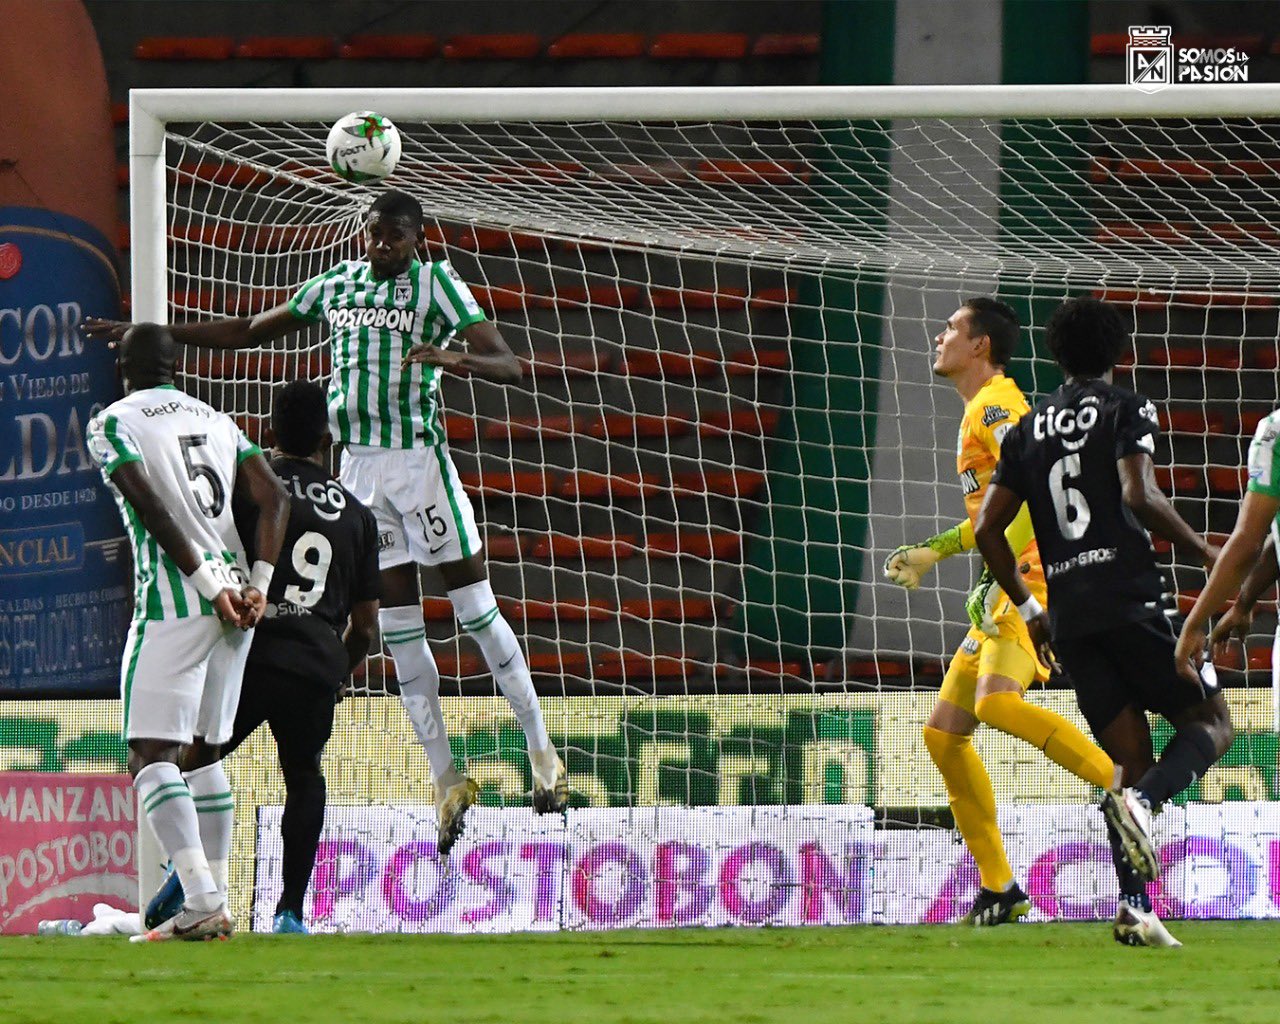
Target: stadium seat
x=437, y=609
x=751, y=172
x=510, y=298
x=695, y=543
x=566, y=363
x=500, y=46
x=699, y=46
x=757, y=422
x=610, y=296
x=286, y=48
x=1249, y=420
x=770, y=298
x=1265, y=357
x=598, y=45
x=558, y=611
x=464, y=666
x=1192, y=421
x=630, y=667
x=689, y=609
x=1259, y=659
x=1227, y=481
x=786, y=44
x=459, y=428
x=184, y=48
x=646, y=363
x=757, y=360
x=1179, y=358
x=492, y=240
x=732, y=483
x=1182, y=480
x=262, y=365
x=409, y=46
x=559, y=664
x=587, y=484
x=767, y=669
x=690, y=298
x=522, y=484
x=1114, y=44
x=528, y=428
x=211, y=172
x=567, y=546
x=638, y=426
x=874, y=670
x=506, y=546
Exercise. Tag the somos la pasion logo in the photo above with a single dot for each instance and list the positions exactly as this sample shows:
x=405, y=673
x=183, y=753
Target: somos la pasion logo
x=1152, y=62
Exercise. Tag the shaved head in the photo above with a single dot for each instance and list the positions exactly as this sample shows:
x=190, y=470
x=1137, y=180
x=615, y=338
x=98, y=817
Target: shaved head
x=148, y=355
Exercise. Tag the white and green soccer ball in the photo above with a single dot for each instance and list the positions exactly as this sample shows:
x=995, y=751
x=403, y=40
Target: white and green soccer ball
x=363, y=146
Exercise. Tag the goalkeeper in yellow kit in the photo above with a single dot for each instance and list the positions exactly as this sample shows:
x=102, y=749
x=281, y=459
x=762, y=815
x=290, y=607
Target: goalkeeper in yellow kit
x=997, y=660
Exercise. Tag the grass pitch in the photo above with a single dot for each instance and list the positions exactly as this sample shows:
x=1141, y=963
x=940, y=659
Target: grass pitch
x=1042, y=974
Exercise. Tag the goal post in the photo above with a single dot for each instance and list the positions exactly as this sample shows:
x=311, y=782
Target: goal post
x=724, y=299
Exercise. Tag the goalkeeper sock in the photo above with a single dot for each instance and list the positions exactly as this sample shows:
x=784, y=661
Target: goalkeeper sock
x=167, y=803
x=478, y=614
x=406, y=637
x=215, y=811
x=1186, y=758
x=1133, y=890
x=1046, y=730
x=973, y=803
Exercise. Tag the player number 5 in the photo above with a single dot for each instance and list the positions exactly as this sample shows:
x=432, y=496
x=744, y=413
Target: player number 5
x=197, y=470
x=1069, y=504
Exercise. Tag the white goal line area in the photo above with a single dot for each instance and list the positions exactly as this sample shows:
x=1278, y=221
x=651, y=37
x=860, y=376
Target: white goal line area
x=724, y=300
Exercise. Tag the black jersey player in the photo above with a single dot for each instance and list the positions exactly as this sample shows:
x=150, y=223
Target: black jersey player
x=1082, y=461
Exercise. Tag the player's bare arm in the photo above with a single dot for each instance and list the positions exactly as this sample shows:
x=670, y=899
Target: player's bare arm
x=1257, y=512
x=1153, y=509
x=488, y=356
x=1000, y=507
x=255, y=478
x=1236, y=621
x=225, y=333
x=359, y=635
x=133, y=483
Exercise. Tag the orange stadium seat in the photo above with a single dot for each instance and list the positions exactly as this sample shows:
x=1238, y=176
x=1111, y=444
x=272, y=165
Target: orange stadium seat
x=638, y=426
x=502, y=46
x=184, y=48
x=689, y=609
x=1249, y=420
x=611, y=296
x=564, y=546
x=1182, y=480
x=287, y=48
x=559, y=663
x=570, y=363
x=751, y=172
x=692, y=298
x=1226, y=481
x=504, y=545
x=492, y=240
x=505, y=299
x=588, y=484
x=632, y=667
x=1113, y=44
x=527, y=428
x=757, y=360
x=769, y=298
x=739, y=421
x=730, y=483
x=607, y=45
x=437, y=609
x=459, y=428
x=786, y=44
x=1182, y=358
x=1192, y=421
x=644, y=363
x=521, y=484
x=699, y=46
x=558, y=611
x=695, y=543
x=410, y=46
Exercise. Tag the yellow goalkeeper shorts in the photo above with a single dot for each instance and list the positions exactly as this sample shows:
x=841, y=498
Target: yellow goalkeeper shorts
x=1010, y=654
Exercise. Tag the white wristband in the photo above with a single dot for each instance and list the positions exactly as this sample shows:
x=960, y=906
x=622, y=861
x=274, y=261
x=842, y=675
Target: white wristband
x=206, y=581
x=260, y=576
x=1030, y=608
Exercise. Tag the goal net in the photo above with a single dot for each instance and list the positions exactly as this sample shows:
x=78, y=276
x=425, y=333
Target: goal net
x=725, y=306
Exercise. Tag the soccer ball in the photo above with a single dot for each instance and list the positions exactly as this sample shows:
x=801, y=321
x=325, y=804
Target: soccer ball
x=363, y=146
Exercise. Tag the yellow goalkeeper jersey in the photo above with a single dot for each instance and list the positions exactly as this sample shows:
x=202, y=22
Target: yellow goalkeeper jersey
x=997, y=406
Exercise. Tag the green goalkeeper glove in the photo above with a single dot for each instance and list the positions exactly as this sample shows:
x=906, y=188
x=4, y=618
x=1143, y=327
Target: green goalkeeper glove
x=905, y=565
x=981, y=602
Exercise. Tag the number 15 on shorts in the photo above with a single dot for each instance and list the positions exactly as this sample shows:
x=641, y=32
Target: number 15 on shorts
x=435, y=528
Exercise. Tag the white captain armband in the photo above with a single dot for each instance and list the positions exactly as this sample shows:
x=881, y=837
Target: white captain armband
x=1030, y=608
x=260, y=576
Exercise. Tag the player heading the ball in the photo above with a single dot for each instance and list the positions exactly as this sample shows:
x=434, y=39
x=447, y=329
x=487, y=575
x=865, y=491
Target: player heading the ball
x=392, y=322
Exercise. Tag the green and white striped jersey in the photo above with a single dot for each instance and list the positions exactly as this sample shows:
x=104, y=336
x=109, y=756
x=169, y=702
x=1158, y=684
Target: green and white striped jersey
x=1264, y=469
x=372, y=324
x=190, y=452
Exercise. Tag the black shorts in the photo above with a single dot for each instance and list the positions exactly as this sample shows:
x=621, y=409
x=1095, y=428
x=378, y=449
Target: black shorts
x=1129, y=665
x=297, y=709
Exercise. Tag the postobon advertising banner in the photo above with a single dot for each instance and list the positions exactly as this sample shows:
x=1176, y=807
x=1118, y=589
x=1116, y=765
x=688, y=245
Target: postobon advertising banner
x=66, y=843
x=377, y=869
x=672, y=867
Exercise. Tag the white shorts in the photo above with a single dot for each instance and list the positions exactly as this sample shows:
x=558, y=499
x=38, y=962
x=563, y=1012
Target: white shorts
x=180, y=678
x=415, y=494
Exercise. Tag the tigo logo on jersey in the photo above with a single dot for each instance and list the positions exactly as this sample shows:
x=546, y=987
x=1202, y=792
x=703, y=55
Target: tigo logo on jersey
x=377, y=318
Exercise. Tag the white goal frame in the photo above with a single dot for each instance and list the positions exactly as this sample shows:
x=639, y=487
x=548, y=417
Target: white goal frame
x=151, y=109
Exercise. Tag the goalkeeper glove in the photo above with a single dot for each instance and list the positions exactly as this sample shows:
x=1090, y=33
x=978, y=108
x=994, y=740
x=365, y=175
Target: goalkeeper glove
x=905, y=565
x=981, y=602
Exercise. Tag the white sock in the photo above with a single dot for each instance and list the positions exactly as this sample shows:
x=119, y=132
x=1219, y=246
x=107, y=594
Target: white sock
x=172, y=813
x=478, y=614
x=215, y=810
x=405, y=636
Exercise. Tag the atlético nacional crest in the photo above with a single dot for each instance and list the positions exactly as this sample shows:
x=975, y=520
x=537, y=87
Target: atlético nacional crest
x=1149, y=57
x=404, y=292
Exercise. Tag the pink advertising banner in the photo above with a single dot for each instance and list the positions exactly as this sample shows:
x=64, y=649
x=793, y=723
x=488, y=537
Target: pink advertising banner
x=66, y=843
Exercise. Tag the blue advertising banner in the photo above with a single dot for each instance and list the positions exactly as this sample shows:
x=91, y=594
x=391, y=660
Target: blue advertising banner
x=64, y=596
